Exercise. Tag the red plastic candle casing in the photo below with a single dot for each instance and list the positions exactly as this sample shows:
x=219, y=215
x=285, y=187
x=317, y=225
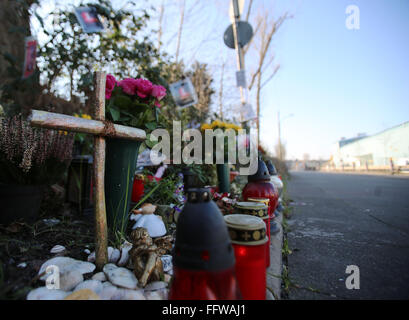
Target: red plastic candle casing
x=204, y=285
x=258, y=207
x=248, y=240
x=262, y=189
x=251, y=261
x=203, y=255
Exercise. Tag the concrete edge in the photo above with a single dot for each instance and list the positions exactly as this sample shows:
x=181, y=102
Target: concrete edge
x=276, y=263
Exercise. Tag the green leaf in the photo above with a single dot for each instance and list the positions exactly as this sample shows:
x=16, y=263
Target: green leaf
x=123, y=119
x=115, y=114
x=151, y=125
x=142, y=106
x=135, y=123
x=122, y=102
x=148, y=141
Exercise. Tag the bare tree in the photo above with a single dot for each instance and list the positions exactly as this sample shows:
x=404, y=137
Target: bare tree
x=161, y=12
x=221, y=91
x=249, y=10
x=265, y=30
x=182, y=17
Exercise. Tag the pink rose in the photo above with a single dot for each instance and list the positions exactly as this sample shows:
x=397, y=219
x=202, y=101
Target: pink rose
x=158, y=92
x=109, y=86
x=128, y=85
x=143, y=88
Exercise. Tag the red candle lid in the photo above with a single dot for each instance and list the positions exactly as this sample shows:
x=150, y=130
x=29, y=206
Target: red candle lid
x=246, y=229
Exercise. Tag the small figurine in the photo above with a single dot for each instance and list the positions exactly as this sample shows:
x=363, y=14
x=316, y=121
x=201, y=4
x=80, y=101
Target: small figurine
x=146, y=253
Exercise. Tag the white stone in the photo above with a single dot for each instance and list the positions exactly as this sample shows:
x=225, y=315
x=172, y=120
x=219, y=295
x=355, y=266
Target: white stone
x=65, y=264
x=164, y=294
x=155, y=285
x=87, y=251
x=167, y=262
x=57, y=249
x=125, y=248
x=70, y=279
x=126, y=294
x=94, y=285
x=22, y=265
x=153, y=295
x=100, y=276
x=113, y=255
x=43, y=293
x=109, y=291
x=120, y=277
x=91, y=257
x=152, y=223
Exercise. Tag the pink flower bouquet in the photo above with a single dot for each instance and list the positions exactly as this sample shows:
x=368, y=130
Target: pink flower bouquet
x=133, y=102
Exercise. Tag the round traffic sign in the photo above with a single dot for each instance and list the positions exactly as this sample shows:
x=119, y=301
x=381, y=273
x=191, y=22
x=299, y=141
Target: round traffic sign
x=245, y=32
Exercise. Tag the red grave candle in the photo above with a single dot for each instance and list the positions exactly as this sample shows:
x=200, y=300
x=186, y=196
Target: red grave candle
x=204, y=263
x=259, y=186
x=258, y=208
x=267, y=221
x=248, y=236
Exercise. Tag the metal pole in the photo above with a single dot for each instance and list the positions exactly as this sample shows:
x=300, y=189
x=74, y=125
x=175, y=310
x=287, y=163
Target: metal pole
x=237, y=44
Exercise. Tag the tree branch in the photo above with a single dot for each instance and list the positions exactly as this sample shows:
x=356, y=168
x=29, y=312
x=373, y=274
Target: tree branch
x=266, y=41
x=270, y=77
x=249, y=10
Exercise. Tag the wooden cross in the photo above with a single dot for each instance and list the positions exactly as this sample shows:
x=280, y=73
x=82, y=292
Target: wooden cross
x=99, y=128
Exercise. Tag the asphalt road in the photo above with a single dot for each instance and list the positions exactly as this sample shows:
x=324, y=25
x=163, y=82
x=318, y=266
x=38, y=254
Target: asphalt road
x=348, y=219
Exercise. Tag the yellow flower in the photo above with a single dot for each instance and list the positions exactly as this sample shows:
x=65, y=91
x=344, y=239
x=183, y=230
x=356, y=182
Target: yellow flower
x=216, y=123
x=229, y=126
x=206, y=126
x=86, y=116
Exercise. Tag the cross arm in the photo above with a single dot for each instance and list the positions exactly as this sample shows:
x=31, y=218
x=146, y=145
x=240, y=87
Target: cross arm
x=58, y=121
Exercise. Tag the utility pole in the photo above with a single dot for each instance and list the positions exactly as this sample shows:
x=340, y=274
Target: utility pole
x=280, y=150
x=237, y=44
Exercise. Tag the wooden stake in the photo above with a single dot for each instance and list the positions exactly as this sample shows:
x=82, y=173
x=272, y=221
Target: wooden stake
x=101, y=230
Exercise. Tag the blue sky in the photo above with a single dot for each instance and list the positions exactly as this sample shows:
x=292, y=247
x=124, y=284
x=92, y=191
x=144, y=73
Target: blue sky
x=338, y=82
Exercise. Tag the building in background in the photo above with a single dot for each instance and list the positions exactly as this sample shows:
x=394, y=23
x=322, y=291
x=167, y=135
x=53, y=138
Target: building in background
x=373, y=151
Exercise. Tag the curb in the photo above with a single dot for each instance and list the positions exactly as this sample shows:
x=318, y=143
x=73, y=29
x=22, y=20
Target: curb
x=276, y=263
